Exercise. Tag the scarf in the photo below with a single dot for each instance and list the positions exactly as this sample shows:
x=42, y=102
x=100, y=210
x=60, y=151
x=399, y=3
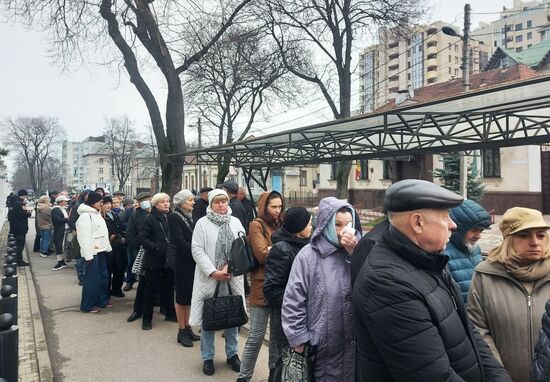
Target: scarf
x=185, y=217
x=225, y=236
x=527, y=272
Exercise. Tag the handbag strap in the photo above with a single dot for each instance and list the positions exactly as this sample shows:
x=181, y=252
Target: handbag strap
x=164, y=232
x=218, y=289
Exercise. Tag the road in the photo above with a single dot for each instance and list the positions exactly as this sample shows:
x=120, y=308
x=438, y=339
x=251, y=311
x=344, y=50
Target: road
x=104, y=347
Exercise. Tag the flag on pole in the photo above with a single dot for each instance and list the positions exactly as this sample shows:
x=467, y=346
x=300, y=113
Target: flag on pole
x=357, y=170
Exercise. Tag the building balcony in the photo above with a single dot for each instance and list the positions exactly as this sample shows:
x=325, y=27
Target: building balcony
x=431, y=49
x=432, y=62
x=431, y=74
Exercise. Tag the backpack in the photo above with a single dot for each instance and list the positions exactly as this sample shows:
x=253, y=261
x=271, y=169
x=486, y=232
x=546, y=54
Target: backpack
x=241, y=259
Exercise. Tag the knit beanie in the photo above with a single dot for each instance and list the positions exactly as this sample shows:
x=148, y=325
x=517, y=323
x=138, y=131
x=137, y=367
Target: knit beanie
x=182, y=197
x=296, y=219
x=22, y=192
x=212, y=194
x=93, y=198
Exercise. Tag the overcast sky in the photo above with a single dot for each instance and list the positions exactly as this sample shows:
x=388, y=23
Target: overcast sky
x=81, y=99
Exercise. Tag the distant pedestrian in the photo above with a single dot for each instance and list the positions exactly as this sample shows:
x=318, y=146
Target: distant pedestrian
x=247, y=204
x=93, y=238
x=237, y=208
x=210, y=247
x=18, y=217
x=60, y=219
x=72, y=236
x=116, y=258
x=127, y=211
x=44, y=222
x=199, y=209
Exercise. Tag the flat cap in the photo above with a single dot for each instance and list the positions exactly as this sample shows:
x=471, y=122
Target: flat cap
x=205, y=189
x=231, y=186
x=415, y=194
x=143, y=195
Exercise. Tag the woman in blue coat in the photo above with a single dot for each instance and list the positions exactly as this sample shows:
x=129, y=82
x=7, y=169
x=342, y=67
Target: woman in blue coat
x=541, y=362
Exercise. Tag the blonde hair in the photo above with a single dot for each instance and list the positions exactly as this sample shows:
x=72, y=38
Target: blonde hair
x=157, y=198
x=44, y=199
x=504, y=253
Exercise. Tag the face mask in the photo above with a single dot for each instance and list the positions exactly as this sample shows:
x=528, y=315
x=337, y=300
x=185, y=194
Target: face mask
x=145, y=204
x=116, y=210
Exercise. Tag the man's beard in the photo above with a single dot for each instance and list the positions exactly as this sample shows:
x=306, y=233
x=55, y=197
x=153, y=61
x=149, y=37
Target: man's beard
x=471, y=247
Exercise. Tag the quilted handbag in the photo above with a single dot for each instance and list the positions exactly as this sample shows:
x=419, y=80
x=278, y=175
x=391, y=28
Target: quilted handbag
x=241, y=259
x=223, y=312
x=138, y=262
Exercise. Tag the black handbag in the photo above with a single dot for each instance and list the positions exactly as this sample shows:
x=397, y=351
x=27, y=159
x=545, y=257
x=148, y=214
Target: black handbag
x=241, y=260
x=223, y=312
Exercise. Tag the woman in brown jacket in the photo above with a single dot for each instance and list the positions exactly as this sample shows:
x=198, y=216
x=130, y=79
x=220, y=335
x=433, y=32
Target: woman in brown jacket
x=510, y=288
x=270, y=207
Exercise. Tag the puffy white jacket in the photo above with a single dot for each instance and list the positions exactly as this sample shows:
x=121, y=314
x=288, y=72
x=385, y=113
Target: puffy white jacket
x=92, y=233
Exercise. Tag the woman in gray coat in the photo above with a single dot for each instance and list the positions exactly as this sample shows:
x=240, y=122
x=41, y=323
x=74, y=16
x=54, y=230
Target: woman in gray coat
x=317, y=309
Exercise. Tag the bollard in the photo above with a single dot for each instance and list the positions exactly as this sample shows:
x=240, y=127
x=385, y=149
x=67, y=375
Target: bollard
x=11, y=250
x=10, y=262
x=8, y=302
x=12, y=243
x=10, y=278
x=9, y=348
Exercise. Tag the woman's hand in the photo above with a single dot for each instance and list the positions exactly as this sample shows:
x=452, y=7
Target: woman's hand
x=300, y=349
x=221, y=275
x=348, y=241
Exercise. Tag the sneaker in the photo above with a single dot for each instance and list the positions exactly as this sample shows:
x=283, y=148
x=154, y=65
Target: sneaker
x=64, y=263
x=109, y=304
x=208, y=367
x=44, y=255
x=59, y=266
x=95, y=309
x=127, y=287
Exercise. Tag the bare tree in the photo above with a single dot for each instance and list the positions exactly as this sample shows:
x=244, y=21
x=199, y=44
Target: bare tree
x=323, y=32
x=140, y=29
x=233, y=81
x=120, y=144
x=148, y=159
x=34, y=140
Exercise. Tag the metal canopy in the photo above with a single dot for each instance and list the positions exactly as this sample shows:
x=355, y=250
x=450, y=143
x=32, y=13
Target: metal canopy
x=510, y=115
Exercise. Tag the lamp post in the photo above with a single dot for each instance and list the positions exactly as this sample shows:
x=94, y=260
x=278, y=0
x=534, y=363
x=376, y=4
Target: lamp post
x=450, y=31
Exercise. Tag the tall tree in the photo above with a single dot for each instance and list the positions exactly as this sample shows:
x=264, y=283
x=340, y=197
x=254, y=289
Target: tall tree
x=34, y=140
x=324, y=32
x=121, y=143
x=141, y=30
x=233, y=81
x=449, y=175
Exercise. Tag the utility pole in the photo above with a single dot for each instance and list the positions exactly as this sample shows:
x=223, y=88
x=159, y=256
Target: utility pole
x=199, y=175
x=466, y=82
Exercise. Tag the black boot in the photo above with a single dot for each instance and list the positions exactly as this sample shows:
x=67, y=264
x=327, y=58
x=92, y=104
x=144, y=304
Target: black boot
x=183, y=338
x=192, y=336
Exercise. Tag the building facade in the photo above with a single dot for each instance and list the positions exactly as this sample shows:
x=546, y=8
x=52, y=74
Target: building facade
x=523, y=25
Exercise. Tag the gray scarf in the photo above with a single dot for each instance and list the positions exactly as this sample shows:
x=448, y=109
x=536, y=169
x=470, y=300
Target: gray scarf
x=225, y=236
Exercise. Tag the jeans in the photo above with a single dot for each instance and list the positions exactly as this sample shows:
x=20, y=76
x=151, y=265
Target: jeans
x=45, y=237
x=80, y=268
x=278, y=338
x=259, y=316
x=95, y=291
x=131, y=254
x=208, y=346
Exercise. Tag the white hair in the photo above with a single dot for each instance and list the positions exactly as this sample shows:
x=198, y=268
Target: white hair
x=157, y=198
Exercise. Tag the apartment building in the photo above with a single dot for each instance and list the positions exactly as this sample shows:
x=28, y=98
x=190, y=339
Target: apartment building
x=76, y=162
x=398, y=65
x=520, y=27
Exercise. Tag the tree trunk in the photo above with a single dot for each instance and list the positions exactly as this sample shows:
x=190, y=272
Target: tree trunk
x=223, y=168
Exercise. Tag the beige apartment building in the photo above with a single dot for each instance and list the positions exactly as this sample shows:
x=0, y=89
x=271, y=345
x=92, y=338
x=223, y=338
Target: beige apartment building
x=398, y=65
x=520, y=27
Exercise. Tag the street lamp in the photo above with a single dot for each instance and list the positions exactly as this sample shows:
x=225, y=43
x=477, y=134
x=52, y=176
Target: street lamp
x=450, y=31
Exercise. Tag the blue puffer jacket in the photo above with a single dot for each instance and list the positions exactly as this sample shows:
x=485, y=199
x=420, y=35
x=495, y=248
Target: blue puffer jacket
x=461, y=262
x=541, y=362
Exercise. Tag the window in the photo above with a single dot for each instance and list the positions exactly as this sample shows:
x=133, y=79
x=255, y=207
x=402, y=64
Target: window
x=450, y=58
x=408, y=76
x=386, y=170
x=519, y=26
x=519, y=38
x=456, y=60
x=491, y=163
x=529, y=35
x=456, y=48
x=495, y=43
x=529, y=23
x=456, y=72
x=303, y=178
x=100, y=170
x=100, y=160
x=519, y=49
x=450, y=71
x=333, y=170
x=362, y=169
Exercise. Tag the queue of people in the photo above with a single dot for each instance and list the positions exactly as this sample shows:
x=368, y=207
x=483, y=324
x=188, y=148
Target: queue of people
x=413, y=300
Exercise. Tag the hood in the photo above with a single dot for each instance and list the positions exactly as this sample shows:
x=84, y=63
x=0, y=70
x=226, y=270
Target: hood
x=41, y=206
x=283, y=235
x=467, y=216
x=262, y=206
x=327, y=209
x=83, y=208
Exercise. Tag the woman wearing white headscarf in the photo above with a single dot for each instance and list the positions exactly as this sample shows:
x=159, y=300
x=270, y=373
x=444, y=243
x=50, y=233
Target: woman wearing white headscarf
x=211, y=244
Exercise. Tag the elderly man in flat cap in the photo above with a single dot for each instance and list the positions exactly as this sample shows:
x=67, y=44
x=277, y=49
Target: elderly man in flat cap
x=409, y=317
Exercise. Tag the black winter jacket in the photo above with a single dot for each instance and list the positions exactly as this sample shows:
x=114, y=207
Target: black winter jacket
x=153, y=237
x=541, y=362
x=278, y=264
x=134, y=226
x=199, y=209
x=114, y=226
x=410, y=321
x=364, y=246
x=18, y=217
x=58, y=221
